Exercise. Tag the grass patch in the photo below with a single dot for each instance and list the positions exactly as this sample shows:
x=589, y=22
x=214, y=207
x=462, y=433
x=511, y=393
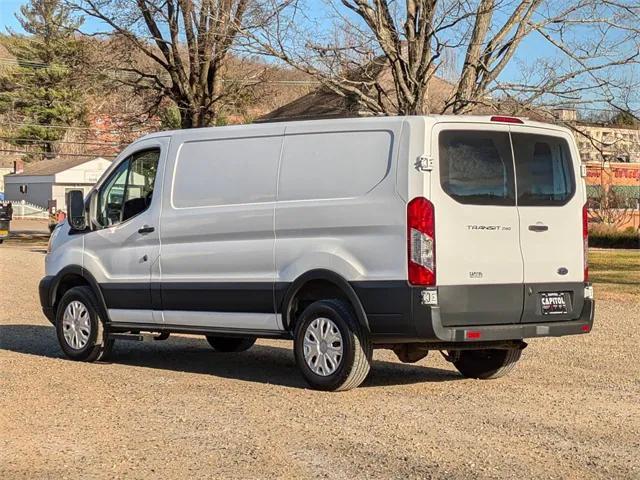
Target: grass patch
x=614, y=259
x=615, y=272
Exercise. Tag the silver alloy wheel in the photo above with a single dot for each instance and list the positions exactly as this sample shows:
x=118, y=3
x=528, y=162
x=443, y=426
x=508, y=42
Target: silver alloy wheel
x=76, y=325
x=323, y=346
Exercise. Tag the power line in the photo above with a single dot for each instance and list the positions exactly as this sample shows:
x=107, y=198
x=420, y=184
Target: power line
x=22, y=152
x=133, y=76
x=69, y=142
x=66, y=127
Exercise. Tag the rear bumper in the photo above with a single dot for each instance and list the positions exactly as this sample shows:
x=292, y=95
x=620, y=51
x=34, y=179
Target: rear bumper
x=583, y=324
x=45, y=289
x=396, y=314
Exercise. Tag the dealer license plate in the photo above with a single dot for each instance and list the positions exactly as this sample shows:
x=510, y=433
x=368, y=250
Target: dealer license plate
x=553, y=303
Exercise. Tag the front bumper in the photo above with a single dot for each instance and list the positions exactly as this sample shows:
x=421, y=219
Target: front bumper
x=45, y=289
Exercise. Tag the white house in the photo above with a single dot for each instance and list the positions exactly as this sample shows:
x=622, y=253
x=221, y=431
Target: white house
x=49, y=180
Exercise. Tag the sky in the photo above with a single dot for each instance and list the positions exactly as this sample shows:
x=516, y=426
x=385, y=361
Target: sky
x=531, y=48
x=9, y=8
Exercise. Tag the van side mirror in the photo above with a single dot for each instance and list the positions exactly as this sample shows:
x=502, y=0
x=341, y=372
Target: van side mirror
x=75, y=210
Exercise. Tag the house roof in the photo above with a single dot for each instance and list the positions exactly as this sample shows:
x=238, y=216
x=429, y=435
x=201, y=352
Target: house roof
x=55, y=165
x=324, y=103
x=321, y=103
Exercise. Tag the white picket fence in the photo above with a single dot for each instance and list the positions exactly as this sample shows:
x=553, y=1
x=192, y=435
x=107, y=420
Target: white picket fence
x=28, y=210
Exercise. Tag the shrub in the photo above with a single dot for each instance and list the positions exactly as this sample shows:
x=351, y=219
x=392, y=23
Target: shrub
x=607, y=237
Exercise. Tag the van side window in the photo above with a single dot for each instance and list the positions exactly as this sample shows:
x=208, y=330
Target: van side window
x=129, y=189
x=544, y=171
x=226, y=171
x=343, y=164
x=476, y=167
x=142, y=176
x=111, y=196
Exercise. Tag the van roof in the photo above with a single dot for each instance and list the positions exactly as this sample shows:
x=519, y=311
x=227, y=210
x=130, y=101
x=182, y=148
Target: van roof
x=484, y=119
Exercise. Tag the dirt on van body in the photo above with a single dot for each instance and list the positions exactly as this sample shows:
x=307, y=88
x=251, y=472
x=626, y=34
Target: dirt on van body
x=176, y=409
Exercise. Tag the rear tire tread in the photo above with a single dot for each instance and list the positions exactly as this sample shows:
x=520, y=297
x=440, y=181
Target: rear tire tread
x=487, y=369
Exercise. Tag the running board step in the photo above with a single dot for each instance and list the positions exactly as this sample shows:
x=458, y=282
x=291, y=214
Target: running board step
x=139, y=337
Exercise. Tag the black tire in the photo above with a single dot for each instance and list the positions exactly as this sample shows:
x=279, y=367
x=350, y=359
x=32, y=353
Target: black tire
x=486, y=364
x=231, y=344
x=98, y=345
x=355, y=362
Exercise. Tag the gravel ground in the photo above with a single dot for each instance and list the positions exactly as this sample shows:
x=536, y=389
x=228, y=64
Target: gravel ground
x=571, y=409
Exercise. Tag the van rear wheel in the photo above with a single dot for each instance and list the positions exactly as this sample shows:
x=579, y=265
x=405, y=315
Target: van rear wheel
x=230, y=344
x=331, y=348
x=485, y=364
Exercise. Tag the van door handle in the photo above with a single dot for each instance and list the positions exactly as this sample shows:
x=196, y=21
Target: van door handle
x=146, y=229
x=538, y=227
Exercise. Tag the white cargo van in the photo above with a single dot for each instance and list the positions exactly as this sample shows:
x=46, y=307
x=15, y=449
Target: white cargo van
x=464, y=235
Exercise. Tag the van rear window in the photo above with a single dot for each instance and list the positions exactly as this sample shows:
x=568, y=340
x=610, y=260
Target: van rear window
x=476, y=167
x=543, y=170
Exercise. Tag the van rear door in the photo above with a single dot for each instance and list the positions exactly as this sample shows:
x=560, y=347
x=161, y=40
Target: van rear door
x=550, y=209
x=479, y=268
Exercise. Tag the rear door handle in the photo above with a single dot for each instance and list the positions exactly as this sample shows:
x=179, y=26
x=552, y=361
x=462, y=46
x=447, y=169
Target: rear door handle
x=538, y=228
x=146, y=229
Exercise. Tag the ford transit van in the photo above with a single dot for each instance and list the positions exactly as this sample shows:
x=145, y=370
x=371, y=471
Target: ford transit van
x=465, y=235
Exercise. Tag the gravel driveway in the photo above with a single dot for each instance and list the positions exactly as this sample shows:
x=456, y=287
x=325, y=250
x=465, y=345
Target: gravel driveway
x=173, y=409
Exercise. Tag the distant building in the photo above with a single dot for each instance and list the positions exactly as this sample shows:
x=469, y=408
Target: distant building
x=617, y=144
x=4, y=171
x=49, y=180
x=619, y=182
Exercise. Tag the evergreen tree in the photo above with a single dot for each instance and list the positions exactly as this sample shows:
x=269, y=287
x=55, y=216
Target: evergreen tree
x=43, y=90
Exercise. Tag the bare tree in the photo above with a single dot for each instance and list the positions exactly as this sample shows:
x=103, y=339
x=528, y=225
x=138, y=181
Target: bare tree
x=186, y=42
x=591, y=49
x=610, y=209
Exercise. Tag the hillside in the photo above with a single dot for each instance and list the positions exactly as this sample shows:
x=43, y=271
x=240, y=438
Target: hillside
x=118, y=111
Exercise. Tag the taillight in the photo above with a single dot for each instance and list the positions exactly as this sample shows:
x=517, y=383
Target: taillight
x=585, y=241
x=421, y=241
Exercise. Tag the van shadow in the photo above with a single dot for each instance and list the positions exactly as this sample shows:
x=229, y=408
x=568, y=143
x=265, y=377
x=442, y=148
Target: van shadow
x=262, y=363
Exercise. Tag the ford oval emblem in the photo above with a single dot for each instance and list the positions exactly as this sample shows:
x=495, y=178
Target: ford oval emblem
x=562, y=271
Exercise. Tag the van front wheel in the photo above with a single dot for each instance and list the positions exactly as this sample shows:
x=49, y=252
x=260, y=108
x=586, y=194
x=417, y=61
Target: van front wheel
x=79, y=328
x=331, y=348
x=485, y=364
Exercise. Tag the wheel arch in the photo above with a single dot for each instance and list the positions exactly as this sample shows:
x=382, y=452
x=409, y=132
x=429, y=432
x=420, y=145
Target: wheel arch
x=75, y=276
x=320, y=280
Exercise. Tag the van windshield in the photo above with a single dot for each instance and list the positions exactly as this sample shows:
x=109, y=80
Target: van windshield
x=477, y=168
